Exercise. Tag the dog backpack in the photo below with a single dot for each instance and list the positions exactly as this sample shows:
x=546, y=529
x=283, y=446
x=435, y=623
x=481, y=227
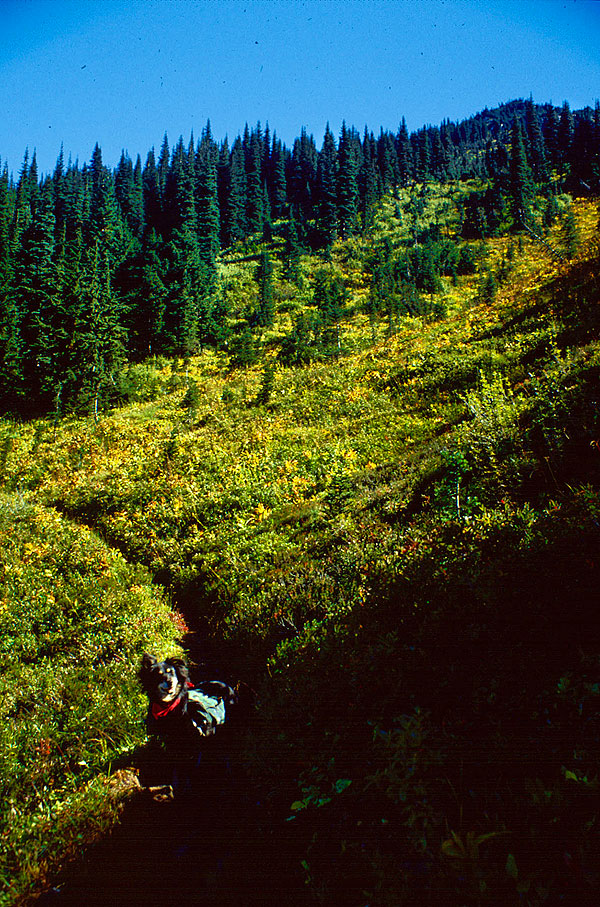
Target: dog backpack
x=206, y=705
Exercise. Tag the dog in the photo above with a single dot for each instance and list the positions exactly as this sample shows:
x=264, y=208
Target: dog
x=181, y=714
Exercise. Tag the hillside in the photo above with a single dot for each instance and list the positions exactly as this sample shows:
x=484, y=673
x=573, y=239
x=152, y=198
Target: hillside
x=380, y=508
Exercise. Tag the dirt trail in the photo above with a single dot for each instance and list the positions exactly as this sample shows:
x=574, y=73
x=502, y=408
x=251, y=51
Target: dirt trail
x=219, y=843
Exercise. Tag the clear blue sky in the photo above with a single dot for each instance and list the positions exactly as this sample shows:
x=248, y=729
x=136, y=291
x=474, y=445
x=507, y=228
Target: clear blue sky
x=122, y=72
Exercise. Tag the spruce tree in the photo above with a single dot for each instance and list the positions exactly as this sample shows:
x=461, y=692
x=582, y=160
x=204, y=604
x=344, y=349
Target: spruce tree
x=163, y=167
x=100, y=336
x=22, y=208
x=550, y=133
x=254, y=184
x=5, y=221
x=104, y=225
x=223, y=190
x=265, y=310
x=151, y=194
x=326, y=192
x=207, y=203
x=535, y=142
x=330, y=299
x=565, y=138
x=234, y=215
x=293, y=251
x=387, y=160
x=405, y=155
x=520, y=188
x=347, y=185
x=423, y=155
x=368, y=188
x=278, y=188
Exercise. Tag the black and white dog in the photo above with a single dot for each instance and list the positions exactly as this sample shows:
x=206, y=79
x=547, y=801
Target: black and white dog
x=181, y=714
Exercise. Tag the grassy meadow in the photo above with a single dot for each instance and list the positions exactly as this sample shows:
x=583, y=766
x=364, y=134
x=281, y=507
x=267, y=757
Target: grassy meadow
x=421, y=506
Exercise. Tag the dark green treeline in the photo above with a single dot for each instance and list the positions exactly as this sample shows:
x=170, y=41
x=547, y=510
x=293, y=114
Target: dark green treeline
x=99, y=265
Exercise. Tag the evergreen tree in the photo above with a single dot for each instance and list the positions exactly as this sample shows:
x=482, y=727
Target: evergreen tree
x=303, y=343
x=550, y=133
x=387, y=160
x=565, y=138
x=278, y=187
x=265, y=311
x=163, y=167
x=5, y=221
x=254, y=184
x=438, y=160
x=367, y=180
x=207, y=203
x=151, y=194
x=584, y=152
x=60, y=213
x=535, y=142
x=405, y=155
x=243, y=349
x=301, y=179
x=104, y=223
x=34, y=188
x=293, y=251
x=266, y=384
x=520, y=188
x=22, y=207
x=423, y=155
x=234, y=214
x=327, y=190
x=330, y=299
x=223, y=189
x=347, y=185
x=100, y=336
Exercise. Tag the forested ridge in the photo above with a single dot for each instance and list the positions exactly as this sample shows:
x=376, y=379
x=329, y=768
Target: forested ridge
x=99, y=266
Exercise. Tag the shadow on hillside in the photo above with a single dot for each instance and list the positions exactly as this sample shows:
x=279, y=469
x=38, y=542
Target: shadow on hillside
x=216, y=843
x=219, y=841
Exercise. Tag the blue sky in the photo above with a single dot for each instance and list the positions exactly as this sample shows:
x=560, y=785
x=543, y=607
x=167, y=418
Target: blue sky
x=122, y=72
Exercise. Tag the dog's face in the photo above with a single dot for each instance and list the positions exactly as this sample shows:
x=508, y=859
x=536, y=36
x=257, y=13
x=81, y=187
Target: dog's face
x=163, y=681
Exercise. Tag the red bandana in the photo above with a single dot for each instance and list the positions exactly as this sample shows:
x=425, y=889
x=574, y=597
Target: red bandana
x=161, y=710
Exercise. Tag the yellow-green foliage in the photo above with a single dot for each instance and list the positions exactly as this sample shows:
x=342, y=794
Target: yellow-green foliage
x=385, y=501
x=74, y=619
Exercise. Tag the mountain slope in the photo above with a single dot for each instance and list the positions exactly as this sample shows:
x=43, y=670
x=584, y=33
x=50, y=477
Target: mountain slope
x=396, y=546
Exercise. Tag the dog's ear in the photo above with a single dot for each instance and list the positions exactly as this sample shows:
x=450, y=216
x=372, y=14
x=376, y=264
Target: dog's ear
x=180, y=666
x=148, y=662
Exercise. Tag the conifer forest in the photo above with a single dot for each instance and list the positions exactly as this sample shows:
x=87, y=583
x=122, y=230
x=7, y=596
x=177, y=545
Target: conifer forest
x=99, y=266
x=323, y=420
